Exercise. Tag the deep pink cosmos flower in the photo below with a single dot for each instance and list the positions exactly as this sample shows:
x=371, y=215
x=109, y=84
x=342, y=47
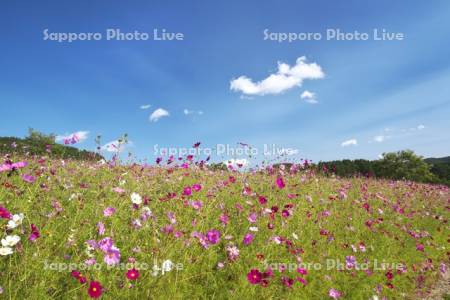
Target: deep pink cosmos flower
x=187, y=191
x=35, y=234
x=95, y=289
x=4, y=213
x=197, y=187
x=132, y=274
x=213, y=236
x=262, y=200
x=248, y=239
x=254, y=276
x=335, y=294
x=280, y=183
x=302, y=271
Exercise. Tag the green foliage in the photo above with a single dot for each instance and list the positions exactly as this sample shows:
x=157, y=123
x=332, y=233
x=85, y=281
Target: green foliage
x=40, y=144
x=405, y=165
x=396, y=165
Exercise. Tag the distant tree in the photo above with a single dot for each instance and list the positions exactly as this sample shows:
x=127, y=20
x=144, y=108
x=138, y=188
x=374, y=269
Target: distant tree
x=404, y=165
x=40, y=137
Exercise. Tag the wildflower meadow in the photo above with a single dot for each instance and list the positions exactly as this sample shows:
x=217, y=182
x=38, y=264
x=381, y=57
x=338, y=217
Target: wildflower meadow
x=178, y=229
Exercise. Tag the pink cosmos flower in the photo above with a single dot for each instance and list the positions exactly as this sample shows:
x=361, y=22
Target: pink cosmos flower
x=118, y=190
x=213, y=236
x=109, y=211
x=350, y=261
x=28, y=178
x=232, y=252
x=335, y=294
x=280, y=183
x=248, y=239
x=196, y=204
x=105, y=244
x=252, y=217
x=101, y=228
x=224, y=218
x=420, y=247
x=112, y=256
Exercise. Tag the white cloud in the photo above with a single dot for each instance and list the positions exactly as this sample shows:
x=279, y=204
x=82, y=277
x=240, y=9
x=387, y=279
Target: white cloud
x=236, y=163
x=80, y=136
x=158, y=114
x=351, y=142
x=379, y=138
x=116, y=146
x=309, y=97
x=420, y=127
x=145, y=106
x=284, y=79
x=192, y=112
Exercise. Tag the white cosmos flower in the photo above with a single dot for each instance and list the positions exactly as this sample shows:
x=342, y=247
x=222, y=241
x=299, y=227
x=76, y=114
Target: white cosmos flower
x=10, y=240
x=295, y=236
x=136, y=198
x=6, y=251
x=15, y=221
x=254, y=228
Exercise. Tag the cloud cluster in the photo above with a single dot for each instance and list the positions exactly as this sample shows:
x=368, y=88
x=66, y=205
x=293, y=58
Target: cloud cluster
x=80, y=135
x=285, y=78
x=309, y=97
x=158, y=114
x=145, y=106
x=351, y=142
x=192, y=112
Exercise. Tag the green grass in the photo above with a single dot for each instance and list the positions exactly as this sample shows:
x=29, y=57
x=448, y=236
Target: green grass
x=23, y=275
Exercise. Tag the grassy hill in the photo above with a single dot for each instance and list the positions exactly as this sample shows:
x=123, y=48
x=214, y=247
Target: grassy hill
x=44, y=146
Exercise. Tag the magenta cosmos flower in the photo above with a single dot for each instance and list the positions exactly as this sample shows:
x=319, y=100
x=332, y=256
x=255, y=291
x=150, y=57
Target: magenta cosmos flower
x=248, y=239
x=213, y=236
x=35, y=234
x=254, y=276
x=187, y=191
x=4, y=213
x=197, y=187
x=132, y=274
x=95, y=289
x=280, y=183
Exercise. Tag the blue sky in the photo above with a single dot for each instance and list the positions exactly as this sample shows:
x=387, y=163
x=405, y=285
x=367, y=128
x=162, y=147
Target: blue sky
x=385, y=95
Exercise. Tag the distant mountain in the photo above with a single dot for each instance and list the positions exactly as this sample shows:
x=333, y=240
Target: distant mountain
x=444, y=160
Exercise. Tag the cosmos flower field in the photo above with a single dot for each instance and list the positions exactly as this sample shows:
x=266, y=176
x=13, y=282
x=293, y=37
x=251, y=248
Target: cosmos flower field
x=80, y=230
